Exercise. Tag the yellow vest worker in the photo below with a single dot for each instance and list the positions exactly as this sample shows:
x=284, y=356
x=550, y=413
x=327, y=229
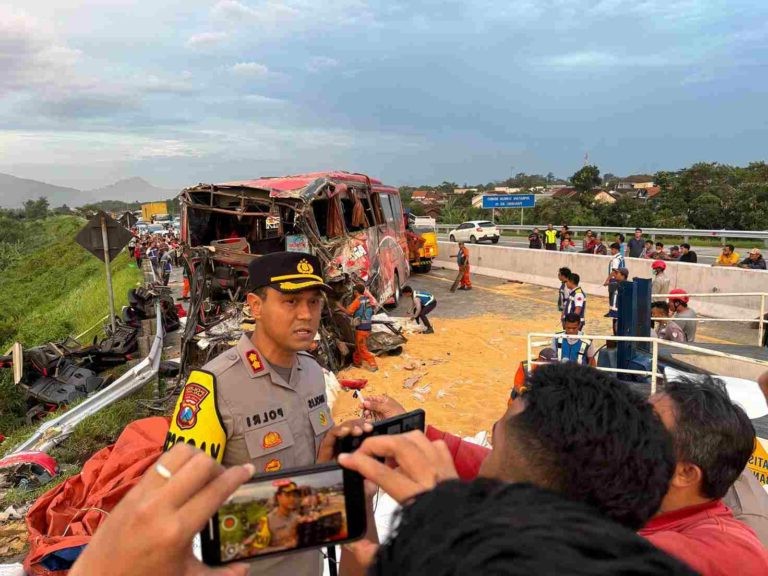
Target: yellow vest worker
x=550, y=239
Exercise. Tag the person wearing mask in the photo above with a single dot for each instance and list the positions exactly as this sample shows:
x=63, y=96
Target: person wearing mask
x=663, y=327
x=754, y=261
x=660, y=284
x=550, y=238
x=534, y=240
x=678, y=307
x=728, y=257
x=687, y=255
x=423, y=304
x=361, y=310
x=636, y=244
x=713, y=441
x=571, y=346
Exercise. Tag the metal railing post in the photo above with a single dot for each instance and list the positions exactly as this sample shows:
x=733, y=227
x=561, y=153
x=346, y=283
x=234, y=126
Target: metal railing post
x=761, y=326
x=654, y=364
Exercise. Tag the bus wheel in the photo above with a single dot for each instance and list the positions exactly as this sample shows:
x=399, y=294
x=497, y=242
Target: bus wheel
x=426, y=268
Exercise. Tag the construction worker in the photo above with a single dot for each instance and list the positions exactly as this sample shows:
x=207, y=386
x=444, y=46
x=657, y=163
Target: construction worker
x=550, y=238
x=462, y=259
x=569, y=344
x=263, y=401
x=423, y=304
x=660, y=284
x=665, y=329
x=361, y=310
x=678, y=307
x=576, y=302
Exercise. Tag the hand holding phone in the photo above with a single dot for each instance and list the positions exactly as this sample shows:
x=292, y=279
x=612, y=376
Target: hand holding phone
x=421, y=463
x=399, y=424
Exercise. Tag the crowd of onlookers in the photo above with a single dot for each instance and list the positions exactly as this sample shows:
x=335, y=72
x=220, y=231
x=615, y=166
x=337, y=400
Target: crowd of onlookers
x=637, y=247
x=163, y=250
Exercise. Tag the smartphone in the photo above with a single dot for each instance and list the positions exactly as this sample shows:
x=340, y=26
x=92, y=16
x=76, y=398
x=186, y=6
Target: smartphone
x=413, y=420
x=285, y=512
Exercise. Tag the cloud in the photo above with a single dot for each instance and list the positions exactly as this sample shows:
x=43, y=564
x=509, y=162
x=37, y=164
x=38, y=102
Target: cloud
x=249, y=70
x=321, y=63
x=206, y=40
x=152, y=84
x=258, y=99
x=601, y=59
x=263, y=13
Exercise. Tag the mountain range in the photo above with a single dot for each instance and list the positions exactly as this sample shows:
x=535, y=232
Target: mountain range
x=15, y=191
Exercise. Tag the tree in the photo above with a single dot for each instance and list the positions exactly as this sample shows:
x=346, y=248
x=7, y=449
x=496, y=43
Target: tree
x=586, y=178
x=36, y=209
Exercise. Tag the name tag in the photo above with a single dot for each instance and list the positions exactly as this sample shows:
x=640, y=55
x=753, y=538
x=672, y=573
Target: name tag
x=264, y=417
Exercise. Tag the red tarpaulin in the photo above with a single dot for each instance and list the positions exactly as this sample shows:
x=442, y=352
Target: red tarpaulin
x=68, y=515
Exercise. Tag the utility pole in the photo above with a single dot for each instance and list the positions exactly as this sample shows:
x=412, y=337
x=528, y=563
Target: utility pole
x=110, y=292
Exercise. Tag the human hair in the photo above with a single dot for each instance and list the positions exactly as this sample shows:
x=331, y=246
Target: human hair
x=639, y=230
x=491, y=527
x=575, y=278
x=572, y=317
x=710, y=431
x=659, y=244
x=593, y=439
x=685, y=245
x=261, y=292
x=359, y=288
x=661, y=305
x=620, y=236
x=649, y=242
x=730, y=247
x=564, y=271
x=615, y=246
x=406, y=289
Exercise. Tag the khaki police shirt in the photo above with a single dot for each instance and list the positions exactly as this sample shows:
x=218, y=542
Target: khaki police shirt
x=267, y=421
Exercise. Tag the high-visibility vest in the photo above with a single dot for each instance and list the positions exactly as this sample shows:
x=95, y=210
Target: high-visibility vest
x=576, y=352
x=551, y=236
x=425, y=297
x=570, y=305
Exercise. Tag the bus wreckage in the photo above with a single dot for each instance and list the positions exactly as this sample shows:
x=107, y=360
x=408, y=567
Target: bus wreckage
x=352, y=223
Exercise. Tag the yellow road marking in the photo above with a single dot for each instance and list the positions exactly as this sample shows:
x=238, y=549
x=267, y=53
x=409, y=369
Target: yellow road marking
x=550, y=303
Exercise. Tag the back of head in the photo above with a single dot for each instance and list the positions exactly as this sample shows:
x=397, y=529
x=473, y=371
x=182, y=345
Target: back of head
x=661, y=306
x=710, y=431
x=406, y=289
x=488, y=527
x=565, y=271
x=572, y=317
x=575, y=278
x=585, y=435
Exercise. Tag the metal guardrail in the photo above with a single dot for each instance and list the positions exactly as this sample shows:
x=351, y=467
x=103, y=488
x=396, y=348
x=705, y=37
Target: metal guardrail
x=57, y=430
x=686, y=233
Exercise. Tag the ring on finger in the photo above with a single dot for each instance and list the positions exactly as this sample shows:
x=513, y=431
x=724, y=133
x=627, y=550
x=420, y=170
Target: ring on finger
x=163, y=471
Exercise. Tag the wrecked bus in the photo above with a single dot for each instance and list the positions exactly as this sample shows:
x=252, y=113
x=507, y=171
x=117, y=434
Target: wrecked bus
x=353, y=223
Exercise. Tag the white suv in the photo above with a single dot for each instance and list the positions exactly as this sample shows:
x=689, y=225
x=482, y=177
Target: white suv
x=474, y=231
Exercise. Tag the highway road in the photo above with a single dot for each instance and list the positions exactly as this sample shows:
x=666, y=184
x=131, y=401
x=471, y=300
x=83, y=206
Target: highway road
x=706, y=254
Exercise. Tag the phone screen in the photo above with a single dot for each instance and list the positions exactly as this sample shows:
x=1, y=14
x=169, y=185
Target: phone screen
x=281, y=513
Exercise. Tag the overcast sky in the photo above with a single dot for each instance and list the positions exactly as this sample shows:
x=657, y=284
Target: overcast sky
x=419, y=91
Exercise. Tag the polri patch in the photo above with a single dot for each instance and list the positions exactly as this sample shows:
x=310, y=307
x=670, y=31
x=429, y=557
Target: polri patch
x=191, y=399
x=271, y=439
x=273, y=465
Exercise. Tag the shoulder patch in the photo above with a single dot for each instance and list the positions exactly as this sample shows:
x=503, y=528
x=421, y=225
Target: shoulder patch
x=196, y=418
x=254, y=361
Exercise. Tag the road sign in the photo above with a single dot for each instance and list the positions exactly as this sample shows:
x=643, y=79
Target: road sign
x=92, y=239
x=509, y=201
x=104, y=237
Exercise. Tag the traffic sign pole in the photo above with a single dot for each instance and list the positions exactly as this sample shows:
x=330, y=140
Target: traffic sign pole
x=110, y=292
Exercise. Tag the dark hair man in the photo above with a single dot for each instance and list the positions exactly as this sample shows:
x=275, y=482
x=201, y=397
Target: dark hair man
x=620, y=240
x=617, y=261
x=562, y=294
x=423, y=304
x=665, y=329
x=489, y=527
x=361, y=310
x=713, y=441
x=728, y=256
x=636, y=244
x=688, y=255
x=576, y=302
x=534, y=240
x=618, y=276
x=571, y=346
x=576, y=431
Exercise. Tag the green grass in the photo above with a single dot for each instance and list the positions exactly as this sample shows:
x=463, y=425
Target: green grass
x=55, y=290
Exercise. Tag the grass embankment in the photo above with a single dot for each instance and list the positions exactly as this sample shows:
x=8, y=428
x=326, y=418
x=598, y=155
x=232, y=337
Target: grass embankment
x=53, y=290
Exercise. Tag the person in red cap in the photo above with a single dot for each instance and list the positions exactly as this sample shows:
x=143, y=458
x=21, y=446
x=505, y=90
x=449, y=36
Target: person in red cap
x=660, y=284
x=678, y=307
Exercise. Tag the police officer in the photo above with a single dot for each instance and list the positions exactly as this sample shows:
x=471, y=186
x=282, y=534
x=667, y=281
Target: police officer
x=263, y=401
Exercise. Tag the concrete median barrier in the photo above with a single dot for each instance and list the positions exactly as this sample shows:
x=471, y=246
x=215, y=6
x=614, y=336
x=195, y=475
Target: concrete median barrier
x=540, y=267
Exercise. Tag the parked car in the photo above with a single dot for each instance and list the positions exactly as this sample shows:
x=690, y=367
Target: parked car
x=474, y=231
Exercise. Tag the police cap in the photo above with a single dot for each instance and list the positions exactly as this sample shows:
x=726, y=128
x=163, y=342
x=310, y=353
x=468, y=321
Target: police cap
x=286, y=272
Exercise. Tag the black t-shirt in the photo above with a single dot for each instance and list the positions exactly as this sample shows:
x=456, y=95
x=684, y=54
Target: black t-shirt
x=689, y=257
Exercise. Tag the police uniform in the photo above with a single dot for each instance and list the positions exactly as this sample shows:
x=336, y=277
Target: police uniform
x=238, y=408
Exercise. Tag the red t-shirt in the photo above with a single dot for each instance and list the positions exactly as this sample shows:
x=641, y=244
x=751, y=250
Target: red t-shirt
x=710, y=540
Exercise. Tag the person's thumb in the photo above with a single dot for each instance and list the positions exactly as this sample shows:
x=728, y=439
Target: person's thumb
x=364, y=551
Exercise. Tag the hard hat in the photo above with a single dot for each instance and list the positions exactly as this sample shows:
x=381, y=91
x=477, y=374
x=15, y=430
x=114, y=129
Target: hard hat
x=683, y=298
x=659, y=265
